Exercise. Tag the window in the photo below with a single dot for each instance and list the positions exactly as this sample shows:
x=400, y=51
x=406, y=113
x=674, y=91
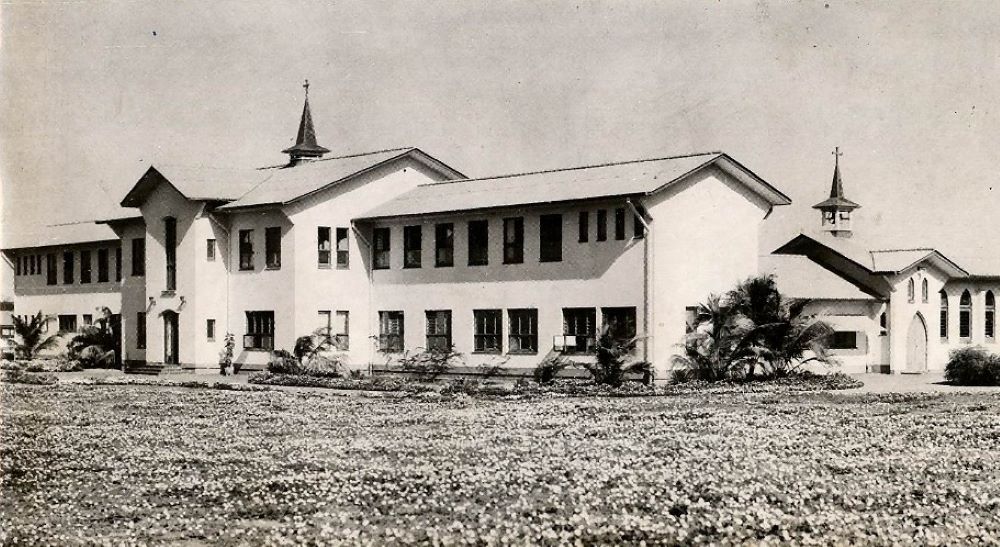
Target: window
x=944, y=315
x=139, y=257
x=479, y=241
x=170, y=251
x=260, y=330
x=513, y=240
x=343, y=252
x=438, y=329
x=85, y=265
x=412, y=246
x=118, y=263
x=989, y=323
x=324, y=322
x=210, y=329
x=51, y=272
x=390, y=338
x=444, y=245
x=579, y=329
x=342, y=331
x=550, y=238
x=17, y=268
x=965, y=315
x=272, y=247
x=844, y=340
x=67, y=323
x=210, y=250
x=620, y=223
x=602, y=225
x=102, y=266
x=68, y=267
x=638, y=226
x=489, y=331
x=923, y=291
x=584, y=226
x=620, y=325
x=910, y=291
x=323, y=246
x=381, y=247
x=883, y=323
x=140, y=330
x=523, y=336
x=246, y=249
x=88, y=319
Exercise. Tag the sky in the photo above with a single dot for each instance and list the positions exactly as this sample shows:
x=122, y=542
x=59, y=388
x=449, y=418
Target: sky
x=93, y=92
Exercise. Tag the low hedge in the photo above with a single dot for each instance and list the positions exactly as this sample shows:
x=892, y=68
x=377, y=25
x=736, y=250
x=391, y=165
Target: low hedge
x=22, y=377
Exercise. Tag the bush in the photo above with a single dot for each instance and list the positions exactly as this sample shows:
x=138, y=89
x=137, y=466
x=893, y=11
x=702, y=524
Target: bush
x=547, y=370
x=612, y=367
x=972, y=367
x=21, y=377
x=283, y=362
x=429, y=364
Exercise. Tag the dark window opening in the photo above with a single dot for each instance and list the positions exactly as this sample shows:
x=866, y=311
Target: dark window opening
x=246, y=249
x=139, y=257
x=140, y=330
x=102, y=266
x=381, y=247
x=620, y=223
x=170, y=246
x=51, y=269
x=579, y=330
x=412, y=246
x=444, y=245
x=620, y=325
x=584, y=226
x=602, y=225
x=85, y=266
x=489, y=331
x=513, y=240
x=272, y=247
x=479, y=240
x=323, y=246
x=68, y=268
x=523, y=337
x=260, y=330
x=550, y=238
x=390, y=331
x=844, y=340
x=438, y=329
x=343, y=249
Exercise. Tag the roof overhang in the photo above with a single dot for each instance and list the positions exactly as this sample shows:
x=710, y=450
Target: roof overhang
x=859, y=275
x=144, y=186
x=936, y=259
x=740, y=172
x=495, y=208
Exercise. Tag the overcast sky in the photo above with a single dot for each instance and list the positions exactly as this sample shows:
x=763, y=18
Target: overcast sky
x=95, y=91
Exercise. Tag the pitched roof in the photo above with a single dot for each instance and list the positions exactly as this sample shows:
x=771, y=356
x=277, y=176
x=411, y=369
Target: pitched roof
x=638, y=177
x=799, y=277
x=281, y=185
x=198, y=183
x=58, y=234
x=898, y=260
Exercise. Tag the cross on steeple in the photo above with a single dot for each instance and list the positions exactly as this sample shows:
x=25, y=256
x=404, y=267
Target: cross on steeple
x=305, y=141
x=836, y=149
x=306, y=87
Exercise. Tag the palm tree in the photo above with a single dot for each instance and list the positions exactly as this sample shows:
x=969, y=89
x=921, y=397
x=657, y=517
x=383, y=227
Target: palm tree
x=715, y=349
x=32, y=335
x=94, y=344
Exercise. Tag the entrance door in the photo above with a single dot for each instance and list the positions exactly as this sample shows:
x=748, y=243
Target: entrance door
x=916, y=345
x=116, y=333
x=170, y=338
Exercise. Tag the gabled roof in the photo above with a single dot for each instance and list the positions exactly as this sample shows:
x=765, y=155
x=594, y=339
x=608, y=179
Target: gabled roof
x=628, y=178
x=893, y=261
x=799, y=277
x=58, y=234
x=283, y=185
x=196, y=183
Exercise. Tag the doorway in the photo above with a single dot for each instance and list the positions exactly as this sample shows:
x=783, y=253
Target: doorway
x=916, y=345
x=170, y=338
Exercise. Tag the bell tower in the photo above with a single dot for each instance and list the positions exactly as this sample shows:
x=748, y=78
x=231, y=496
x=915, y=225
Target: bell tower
x=305, y=147
x=835, y=211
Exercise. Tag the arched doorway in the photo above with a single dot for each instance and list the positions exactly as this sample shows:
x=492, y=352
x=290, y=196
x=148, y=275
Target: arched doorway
x=916, y=345
x=170, y=338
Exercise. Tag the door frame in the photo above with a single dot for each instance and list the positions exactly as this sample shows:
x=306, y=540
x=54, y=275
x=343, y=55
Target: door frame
x=171, y=338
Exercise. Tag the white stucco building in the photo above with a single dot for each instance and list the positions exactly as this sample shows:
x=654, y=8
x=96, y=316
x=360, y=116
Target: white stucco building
x=394, y=251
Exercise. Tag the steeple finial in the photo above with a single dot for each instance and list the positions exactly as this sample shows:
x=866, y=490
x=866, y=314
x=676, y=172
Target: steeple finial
x=305, y=140
x=837, y=189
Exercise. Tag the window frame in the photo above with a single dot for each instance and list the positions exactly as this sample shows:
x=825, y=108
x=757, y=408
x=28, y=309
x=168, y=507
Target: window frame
x=965, y=316
x=272, y=248
x=844, y=340
x=382, y=248
x=67, y=323
x=602, y=225
x=51, y=269
x=170, y=251
x=550, y=237
x=86, y=267
x=619, y=224
x=438, y=337
x=484, y=341
x=524, y=329
x=68, y=267
x=140, y=330
x=103, y=269
x=610, y=317
x=413, y=246
x=583, y=227
x=324, y=249
x=260, y=328
x=444, y=245
x=943, y=316
x=478, y=240
x=581, y=324
x=989, y=315
x=210, y=251
x=118, y=264
x=245, y=252
x=390, y=338
x=138, y=257
x=210, y=329
x=342, y=235
x=513, y=240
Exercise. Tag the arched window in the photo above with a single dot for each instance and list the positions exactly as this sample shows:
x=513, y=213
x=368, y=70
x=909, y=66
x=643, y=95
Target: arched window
x=910, y=291
x=923, y=291
x=991, y=306
x=944, y=315
x=965, y=316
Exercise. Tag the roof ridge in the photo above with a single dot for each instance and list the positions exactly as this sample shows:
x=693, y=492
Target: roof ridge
x=577, y=168
x=345, y=156
x=929, y=249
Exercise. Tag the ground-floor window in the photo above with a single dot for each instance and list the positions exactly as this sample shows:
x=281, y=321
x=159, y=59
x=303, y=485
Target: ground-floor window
x=844, y=340
x=438, y=329
x=260, y=330
x=523, y=330
x=67, y=323
x=210, y=329
x=390, y=336
x=620, y=325
x=579, y=330
x=489, y=331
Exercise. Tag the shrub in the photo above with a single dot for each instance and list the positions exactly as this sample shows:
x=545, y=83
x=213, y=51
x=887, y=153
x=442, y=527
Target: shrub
x=612, y=365
x=94, y=344
x=21, y=377
x=226, y=355
x=547, y=370
x=283, y=362
x=972, y=367
x=429, y=364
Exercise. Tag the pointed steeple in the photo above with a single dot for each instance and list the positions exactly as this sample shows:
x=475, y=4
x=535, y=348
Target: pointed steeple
x=836, y=210
x=305, y=141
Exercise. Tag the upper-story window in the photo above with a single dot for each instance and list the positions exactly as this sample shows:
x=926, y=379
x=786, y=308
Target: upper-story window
x=343, y=250
x=139, y=257
x=479, y=243
x=620, y=223
x=550, y=238
x=965, y=315
x=989, y=323
x=170, y=250
x=911, y=291
x=444, y=245
x=323, y=246
x=118, y=263
x=602, y=225
x=210, y=250
x=102, y=266
x=85, y=266
x=513, y=240
x=412, y=246
x=944, y=315
x=51, y=269
x=272, y=247
x=20, y=260
x=381, y=248
x=923, y=291
x=68, y=268
x=246, y=249
x=584, y=226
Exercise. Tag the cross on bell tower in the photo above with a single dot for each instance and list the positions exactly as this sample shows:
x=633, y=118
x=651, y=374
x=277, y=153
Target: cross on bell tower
x=305, y=142
x=836, y=210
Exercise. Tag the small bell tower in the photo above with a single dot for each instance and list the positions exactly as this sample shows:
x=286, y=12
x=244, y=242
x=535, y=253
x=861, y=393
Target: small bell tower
x=836, y=210
x=305, y=141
